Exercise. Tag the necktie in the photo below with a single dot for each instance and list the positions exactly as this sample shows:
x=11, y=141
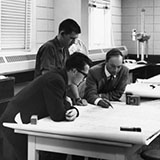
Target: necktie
x=107, y=84
x=110, y=78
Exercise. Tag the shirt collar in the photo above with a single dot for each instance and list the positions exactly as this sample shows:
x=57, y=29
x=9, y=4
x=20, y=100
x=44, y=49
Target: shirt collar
x=59, y=46
x=107, y=72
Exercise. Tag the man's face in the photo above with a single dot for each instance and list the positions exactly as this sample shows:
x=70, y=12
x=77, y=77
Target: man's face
x=114, y=64
x=69, y=39
x=80, y=75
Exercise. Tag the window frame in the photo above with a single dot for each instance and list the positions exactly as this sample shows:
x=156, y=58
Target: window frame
x=104, y=6
x=32, y=37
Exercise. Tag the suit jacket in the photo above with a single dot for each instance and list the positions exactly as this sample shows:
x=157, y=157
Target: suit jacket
x=96, y=83
x=45, y=96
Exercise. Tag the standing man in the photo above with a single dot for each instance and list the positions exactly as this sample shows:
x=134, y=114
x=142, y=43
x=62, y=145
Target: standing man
x=107, y=81
x=54, y=53
x=44, y=96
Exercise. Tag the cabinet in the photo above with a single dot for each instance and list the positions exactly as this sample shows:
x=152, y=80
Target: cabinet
x=6, y=93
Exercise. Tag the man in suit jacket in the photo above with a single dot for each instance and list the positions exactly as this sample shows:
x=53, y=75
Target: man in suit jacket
x=45, y=96
x=107, y=81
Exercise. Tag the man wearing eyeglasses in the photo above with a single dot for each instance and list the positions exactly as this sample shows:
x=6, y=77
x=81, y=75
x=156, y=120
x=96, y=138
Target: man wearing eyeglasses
x=45, y=96
x=107, y=81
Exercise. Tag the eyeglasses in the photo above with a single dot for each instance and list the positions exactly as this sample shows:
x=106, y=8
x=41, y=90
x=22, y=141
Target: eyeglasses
x=84, y=74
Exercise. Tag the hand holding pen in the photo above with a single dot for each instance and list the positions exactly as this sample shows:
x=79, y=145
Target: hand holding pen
x=105, y=103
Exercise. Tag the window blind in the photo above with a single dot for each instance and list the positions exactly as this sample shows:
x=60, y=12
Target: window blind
x=15, y=24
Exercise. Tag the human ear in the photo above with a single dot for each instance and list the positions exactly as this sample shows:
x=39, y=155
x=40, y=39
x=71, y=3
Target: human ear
x=74, y=70
x=62, y=33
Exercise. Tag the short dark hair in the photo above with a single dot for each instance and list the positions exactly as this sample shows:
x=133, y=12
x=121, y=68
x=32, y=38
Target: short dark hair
x=113, y=52
x=69, y=26
x=77, y=60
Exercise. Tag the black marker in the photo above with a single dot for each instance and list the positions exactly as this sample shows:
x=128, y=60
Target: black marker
x=131, y=129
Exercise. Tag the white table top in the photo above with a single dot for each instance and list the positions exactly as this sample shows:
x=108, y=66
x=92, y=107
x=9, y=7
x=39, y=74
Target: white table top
x=145, y=87
x=132, y=66
x=104, y=124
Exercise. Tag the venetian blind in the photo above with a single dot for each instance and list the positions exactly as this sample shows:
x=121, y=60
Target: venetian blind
x=15, y=24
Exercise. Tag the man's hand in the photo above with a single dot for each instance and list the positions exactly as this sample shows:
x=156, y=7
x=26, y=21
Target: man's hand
x=103, y=103
x=71, y=114
x=81, y=102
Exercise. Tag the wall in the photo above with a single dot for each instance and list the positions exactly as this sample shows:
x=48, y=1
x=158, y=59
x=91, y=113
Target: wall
x=116, y=21
x=45, y=21
x=67, y=9
x=131, y=18
x=49, y=13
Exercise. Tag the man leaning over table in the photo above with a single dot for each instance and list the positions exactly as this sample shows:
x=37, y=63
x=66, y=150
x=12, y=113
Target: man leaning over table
x=45, y=96
x=54, y=53
x=107, y=81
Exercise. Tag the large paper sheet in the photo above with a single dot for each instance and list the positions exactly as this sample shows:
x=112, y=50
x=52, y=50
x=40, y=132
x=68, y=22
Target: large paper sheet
x=149, y=88
x=152, y=80
x=144, y=89
x=104, y=124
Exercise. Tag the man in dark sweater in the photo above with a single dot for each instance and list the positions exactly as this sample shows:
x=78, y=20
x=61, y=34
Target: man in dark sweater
x=45, y=96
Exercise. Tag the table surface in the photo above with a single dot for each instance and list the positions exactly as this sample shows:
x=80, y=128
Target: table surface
x=145, y=87
x=103, y=124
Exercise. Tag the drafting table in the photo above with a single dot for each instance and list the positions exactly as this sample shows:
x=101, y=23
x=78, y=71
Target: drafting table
x=142, y=70
x=132, y=68
x=152, y=80
x=149, y=88
x=96, y=132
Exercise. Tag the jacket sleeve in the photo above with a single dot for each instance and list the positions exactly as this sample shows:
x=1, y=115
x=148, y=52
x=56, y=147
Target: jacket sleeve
x=91, y=91
x=93, y=82
x=54, y=95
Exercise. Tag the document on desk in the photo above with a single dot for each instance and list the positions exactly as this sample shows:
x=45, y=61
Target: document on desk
x=150, y=90
x=152, y=80
x=104, y=124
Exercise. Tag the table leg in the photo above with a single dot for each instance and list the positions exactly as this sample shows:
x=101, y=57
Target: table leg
x=132, y=152
x=32, y=152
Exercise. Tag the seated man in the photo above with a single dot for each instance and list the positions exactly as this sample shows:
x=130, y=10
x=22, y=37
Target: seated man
x=44, y=96
x=107, y=81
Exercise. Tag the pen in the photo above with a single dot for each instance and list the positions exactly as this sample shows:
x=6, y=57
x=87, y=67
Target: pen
x=111, y=105
x=108, y=103
x=131, y=129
